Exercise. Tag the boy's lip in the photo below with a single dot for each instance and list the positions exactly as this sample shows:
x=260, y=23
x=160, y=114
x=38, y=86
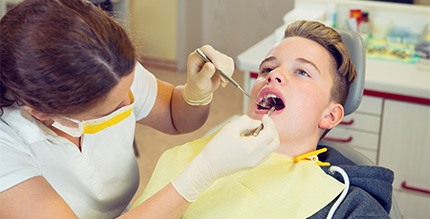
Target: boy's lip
x=263, y=92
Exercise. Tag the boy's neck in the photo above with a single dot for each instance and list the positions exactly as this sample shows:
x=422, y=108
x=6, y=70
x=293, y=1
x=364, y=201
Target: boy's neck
x=297, y=148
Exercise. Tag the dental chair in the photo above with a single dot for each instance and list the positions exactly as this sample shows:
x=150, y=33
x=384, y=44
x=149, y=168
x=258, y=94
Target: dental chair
x=357, y=50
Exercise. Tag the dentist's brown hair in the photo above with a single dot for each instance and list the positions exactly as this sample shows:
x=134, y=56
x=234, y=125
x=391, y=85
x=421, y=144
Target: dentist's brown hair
x=61, y=56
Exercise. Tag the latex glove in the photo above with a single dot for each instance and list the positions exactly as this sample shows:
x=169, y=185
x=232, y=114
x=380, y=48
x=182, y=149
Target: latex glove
x=202, y=79
x=227, y=153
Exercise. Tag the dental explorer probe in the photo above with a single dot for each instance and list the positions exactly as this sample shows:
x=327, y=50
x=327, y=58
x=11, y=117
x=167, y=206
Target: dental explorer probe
x=231, y=80
x=256, y=131
x=260, y=127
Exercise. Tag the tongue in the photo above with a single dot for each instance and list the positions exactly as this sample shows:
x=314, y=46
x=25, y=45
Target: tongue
x=279, y=105
x=268, y=103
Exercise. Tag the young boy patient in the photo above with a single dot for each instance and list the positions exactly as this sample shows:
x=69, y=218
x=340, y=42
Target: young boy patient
x=307, y=75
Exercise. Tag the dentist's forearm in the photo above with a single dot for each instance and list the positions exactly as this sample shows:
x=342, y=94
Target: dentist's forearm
x=187, y=118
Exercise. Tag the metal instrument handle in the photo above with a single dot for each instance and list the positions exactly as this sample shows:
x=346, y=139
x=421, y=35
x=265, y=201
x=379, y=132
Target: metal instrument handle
x=256, y=131
x=229, y=79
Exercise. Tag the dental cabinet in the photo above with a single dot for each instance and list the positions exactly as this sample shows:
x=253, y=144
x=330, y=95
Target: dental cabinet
x=391, y=125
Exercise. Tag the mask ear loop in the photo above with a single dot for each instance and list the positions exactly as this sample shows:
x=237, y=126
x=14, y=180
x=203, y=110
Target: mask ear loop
x=342, y=172
x=74, y=132
x=80, y=124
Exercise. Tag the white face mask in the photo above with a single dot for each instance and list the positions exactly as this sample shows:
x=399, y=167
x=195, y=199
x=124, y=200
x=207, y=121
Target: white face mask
x=95, y=125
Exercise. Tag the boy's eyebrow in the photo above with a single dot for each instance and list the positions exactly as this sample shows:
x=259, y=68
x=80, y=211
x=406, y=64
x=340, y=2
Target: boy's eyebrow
x=270, y=58
x=308, y=62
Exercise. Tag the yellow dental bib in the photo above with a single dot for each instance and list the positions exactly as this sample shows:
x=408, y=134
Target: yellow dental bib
x=277, y=188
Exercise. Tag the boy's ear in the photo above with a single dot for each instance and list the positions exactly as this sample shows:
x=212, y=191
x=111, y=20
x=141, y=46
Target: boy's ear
x=332, y=116
x=36, y=114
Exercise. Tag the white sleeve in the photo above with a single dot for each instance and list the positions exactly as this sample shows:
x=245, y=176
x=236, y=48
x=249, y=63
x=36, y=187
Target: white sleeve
x=16, y=163
x=144, y=89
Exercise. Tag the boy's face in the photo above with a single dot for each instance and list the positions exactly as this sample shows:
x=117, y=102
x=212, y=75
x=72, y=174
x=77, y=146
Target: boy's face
x=299, y=72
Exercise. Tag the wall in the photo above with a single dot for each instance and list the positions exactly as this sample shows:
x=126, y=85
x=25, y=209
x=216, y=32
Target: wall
x=153, y=27
x=235, y=25
x=190, y=25
x=167, y=31
x=231, y=26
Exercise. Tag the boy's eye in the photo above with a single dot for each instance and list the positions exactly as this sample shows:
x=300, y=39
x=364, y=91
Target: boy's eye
x=265, y=70
x=302, y=72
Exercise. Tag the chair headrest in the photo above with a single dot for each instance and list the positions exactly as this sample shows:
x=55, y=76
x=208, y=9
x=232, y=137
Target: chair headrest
x=357, y=50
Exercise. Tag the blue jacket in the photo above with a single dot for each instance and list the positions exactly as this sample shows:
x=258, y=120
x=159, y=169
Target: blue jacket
x=370, y=190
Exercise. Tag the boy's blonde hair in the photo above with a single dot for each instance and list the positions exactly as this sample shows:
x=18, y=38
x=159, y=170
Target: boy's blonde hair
x=332, y=41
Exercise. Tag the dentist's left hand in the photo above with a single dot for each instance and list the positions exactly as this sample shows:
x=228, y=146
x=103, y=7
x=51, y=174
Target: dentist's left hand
x=202, y=79
x=228, y=152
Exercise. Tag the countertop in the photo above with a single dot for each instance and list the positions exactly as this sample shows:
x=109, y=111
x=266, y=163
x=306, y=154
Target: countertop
x=381, y=76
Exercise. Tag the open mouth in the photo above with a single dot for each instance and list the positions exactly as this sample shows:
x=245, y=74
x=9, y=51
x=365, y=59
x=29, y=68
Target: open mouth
x=269, y=101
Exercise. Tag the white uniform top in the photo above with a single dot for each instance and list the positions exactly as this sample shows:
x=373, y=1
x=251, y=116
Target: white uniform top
x=98, y=182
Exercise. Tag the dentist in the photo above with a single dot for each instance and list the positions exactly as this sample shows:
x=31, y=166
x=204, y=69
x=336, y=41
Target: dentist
x=71, y=93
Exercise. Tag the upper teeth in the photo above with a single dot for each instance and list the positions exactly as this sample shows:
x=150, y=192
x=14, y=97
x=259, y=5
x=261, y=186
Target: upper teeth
x=270, y=96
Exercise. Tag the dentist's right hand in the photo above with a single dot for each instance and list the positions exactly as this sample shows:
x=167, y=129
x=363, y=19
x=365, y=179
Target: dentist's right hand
x=228, y=152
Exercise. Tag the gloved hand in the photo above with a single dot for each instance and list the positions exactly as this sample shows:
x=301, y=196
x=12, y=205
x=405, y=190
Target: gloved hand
x=227, y=153
x=201, y=78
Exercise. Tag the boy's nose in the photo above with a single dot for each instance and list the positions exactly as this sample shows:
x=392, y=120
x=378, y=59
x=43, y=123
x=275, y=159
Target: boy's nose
x=274, y=77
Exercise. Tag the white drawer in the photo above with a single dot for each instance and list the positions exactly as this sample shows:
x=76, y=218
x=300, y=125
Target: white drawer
x=359, y=121
x=372, y=105
x=413, y=206
x=353, y=138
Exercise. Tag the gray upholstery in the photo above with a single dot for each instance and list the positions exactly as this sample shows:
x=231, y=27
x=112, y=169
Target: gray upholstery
x=357, y=49
x=361, y=159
